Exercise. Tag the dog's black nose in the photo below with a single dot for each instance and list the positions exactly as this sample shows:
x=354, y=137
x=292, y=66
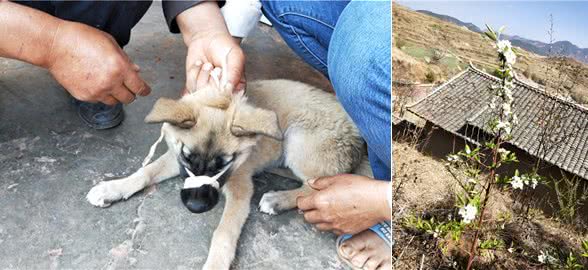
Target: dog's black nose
x=200, y=199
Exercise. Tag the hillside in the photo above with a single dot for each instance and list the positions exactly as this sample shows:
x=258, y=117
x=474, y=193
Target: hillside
x=564, y=47
x=472, y=27
x=429, y=49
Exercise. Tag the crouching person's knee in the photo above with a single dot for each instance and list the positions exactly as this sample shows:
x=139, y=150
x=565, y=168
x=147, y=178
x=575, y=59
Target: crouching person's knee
x=359, y=53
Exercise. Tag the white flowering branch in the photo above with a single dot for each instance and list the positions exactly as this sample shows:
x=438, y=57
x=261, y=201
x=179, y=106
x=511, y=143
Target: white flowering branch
x=501, y=127
x=506, y=119
x=475, y=169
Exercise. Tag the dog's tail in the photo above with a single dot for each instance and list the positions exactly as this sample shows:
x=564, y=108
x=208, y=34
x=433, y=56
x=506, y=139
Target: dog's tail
x=364, y=168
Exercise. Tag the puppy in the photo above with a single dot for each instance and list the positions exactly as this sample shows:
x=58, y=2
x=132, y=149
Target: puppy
x=233, y=136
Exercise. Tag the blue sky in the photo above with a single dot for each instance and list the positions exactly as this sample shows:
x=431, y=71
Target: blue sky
x=528, y=19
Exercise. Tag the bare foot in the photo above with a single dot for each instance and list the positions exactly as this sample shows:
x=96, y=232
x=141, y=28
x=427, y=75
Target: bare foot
x=366, y=250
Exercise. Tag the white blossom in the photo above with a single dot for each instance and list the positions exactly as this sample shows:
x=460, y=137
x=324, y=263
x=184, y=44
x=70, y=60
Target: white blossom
x=522, y=181
x=504, y=125
x=542, y=257
x=545, y=257
x=510, y=250
x=501, y=124
x=517, y=183
x=507, y=118
x=534, y=183
x=510, y=57
x=507, y=94
x=503, y=45
x=468, y=213
x=530, y=181
x=506, y=107
x=453, y=158
x=525, y=179
x=505, y=49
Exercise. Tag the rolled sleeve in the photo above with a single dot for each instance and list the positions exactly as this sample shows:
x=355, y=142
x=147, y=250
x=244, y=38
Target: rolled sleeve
x=241, y=16
x=171, y=9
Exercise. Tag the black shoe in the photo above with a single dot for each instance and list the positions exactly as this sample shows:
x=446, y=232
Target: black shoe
x=99, y=115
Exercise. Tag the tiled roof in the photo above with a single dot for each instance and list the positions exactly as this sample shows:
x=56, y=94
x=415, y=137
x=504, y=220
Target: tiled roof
x=460, y=106
x=396, y=120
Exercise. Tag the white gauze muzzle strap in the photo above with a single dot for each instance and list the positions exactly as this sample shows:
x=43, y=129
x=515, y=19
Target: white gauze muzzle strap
x=197, y=181
x=149, y=156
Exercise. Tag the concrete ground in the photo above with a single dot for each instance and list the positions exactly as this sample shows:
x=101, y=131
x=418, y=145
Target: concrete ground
x=49, y=160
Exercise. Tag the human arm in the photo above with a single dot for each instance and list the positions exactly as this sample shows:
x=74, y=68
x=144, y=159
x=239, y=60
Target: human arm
x=85, y=61
x=22, y=39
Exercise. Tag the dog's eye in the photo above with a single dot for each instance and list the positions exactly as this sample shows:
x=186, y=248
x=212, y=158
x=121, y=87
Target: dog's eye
x=187, y=124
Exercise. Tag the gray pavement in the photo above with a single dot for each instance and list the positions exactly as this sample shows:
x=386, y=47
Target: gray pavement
x=49, y=160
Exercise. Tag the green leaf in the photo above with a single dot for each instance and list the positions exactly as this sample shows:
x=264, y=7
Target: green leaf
x=585, y=248
x=490, y=144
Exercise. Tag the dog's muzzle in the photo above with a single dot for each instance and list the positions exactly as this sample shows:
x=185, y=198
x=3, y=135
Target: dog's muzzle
x=201, y=193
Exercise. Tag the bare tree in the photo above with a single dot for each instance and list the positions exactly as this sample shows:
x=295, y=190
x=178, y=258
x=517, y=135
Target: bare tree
x=557, y=128
x=552, y=119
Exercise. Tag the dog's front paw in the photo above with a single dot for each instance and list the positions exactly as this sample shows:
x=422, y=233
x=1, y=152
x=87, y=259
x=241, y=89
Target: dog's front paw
x=274, y=202
x=104, y=194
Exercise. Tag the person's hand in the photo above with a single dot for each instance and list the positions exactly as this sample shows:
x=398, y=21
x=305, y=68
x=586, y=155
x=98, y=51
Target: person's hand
x=91, y=66
x=206, y=76
x=345, y=203
x=208, y=40
x=208, y=50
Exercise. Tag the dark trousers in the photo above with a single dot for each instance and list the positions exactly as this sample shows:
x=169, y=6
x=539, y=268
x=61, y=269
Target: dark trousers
x=114, y=17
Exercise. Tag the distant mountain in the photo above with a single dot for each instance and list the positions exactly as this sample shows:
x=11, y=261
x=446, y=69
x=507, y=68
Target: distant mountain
x=564, y=48
x=453, y=20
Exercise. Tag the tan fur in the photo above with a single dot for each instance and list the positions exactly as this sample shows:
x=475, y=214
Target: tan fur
x=280, y=122
x=249, y=120
x=171, y=111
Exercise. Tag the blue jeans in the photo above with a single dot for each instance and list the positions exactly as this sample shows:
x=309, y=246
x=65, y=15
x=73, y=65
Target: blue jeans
x=349, y=42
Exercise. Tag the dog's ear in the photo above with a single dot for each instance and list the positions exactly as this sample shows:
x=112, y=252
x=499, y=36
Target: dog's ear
x=248, y=121
x=172, y=111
